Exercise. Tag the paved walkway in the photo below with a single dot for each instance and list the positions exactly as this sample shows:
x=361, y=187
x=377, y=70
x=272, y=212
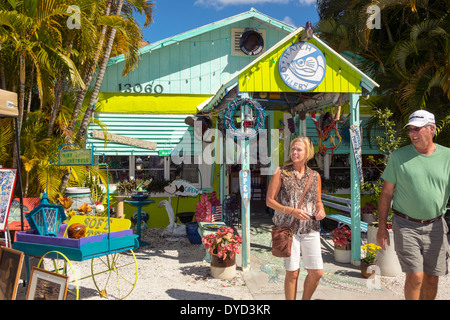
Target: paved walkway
x=265, y=276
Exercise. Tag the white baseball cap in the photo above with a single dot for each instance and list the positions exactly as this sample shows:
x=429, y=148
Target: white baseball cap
x=420, y=118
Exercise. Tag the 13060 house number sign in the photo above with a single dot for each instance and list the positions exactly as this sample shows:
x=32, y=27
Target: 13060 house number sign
x=140, y=88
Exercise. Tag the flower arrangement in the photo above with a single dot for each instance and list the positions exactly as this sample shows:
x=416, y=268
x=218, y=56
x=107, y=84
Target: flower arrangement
x=84, y=208
x=368, y=208
x=342, y=237
x=370, y=252
x=222, y=243
x=66, y=202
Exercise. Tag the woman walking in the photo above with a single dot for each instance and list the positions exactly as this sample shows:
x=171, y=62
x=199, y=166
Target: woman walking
x=283, y=195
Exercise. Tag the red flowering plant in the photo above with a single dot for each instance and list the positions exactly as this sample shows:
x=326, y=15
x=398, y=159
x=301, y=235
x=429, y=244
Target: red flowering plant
x=342, y=237
x=222, y=243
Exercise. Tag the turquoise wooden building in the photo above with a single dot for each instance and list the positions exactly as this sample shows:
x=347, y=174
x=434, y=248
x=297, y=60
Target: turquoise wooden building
x=173, y=77
x=199, y=73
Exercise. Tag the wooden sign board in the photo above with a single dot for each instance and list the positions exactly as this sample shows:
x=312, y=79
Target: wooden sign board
x=70, y=157
x=99, y=225
x=125, y=140
x=8, y=104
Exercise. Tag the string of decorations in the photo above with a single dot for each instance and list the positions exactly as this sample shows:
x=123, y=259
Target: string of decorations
x=246, y=131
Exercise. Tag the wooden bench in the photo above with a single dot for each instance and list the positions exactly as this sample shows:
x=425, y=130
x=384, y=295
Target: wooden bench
x=341, y=204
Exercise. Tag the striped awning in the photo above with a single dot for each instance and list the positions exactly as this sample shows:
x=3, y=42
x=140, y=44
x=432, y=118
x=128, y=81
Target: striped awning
x=166, y=130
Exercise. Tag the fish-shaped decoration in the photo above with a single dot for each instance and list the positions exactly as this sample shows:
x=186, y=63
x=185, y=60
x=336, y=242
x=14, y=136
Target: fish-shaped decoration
x=302, y=66
x=181, y=188
x=307, y=68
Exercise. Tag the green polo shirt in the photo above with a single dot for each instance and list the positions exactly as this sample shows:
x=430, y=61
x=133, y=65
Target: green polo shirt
x=422, y=182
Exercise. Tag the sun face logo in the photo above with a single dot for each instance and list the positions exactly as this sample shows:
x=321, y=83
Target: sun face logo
x=302, y=66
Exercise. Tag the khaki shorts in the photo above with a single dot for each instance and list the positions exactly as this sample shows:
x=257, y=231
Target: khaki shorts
x=308, y=246
x=421, y=247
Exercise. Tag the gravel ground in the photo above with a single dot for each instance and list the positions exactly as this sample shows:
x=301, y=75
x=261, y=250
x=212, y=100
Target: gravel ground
x=167, y=270
x=174, y=270
x=396, y=284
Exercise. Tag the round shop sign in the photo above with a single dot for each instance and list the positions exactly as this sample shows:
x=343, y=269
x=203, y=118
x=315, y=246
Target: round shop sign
x=302, y=66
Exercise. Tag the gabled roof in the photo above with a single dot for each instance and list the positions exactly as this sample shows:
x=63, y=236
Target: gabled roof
x=251, y=14
x=364, y=82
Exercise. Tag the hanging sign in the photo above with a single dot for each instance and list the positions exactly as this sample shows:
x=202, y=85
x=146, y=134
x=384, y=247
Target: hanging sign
x=72, y=157
x=244, y=184
x=165, y=152
x=8, y=104
x=182, y=187
x=302, y=66
x=99, y=225
x=355, y=136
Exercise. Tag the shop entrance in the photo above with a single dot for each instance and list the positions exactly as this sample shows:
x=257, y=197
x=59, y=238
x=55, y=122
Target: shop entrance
x=259, y=177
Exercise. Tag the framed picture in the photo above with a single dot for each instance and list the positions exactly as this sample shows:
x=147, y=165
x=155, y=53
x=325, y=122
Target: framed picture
x=47, y=285
x=7, y=184
x=11, y=262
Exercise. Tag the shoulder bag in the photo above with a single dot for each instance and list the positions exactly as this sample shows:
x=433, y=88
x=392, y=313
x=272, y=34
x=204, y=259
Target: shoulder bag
x=282, y=236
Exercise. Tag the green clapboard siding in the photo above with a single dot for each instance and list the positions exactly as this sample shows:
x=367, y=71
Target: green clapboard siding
x=198, y=61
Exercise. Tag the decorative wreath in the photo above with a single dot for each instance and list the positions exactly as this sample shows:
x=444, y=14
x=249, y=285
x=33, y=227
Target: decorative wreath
x=229, y=121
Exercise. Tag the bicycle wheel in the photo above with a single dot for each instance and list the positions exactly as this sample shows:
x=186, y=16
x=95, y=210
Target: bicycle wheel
x=115, y=275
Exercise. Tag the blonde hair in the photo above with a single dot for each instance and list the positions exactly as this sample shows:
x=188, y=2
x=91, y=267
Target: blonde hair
x=309, y=152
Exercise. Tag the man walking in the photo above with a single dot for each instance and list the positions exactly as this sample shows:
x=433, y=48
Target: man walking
x=417, y=179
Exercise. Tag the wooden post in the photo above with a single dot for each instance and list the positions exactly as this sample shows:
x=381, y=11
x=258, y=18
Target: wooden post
x=355, y=188
x=245, y=207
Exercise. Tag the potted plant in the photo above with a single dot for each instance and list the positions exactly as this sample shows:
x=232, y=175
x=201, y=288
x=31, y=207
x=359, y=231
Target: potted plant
x=342, y=240
x=223, y=245
x=387, y=260
x=369, y=260
x=367, y=212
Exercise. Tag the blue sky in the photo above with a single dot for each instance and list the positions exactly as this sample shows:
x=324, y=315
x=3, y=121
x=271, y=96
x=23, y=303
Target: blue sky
x=173, y=17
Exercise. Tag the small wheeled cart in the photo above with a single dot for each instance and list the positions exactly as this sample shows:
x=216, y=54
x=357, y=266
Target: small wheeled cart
x=114, y=268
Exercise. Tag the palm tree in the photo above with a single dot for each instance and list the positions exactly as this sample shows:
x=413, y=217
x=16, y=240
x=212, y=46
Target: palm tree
x=142, y=6
x=408, y=55
x=30, y=34
x=34, y=40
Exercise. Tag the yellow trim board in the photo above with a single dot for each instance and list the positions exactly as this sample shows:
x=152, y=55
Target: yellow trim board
x=149, y=103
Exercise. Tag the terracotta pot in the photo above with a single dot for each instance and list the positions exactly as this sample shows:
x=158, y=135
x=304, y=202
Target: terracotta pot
x=367, y=269
x=224, y=269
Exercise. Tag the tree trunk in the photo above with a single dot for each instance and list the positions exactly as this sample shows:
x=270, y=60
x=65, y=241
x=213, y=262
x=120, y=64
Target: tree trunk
x=30, y=94
x=59, y=87
x=2, y=78
x=82, y=93
x=21, y=103
x=87, y=79
x=81, y=135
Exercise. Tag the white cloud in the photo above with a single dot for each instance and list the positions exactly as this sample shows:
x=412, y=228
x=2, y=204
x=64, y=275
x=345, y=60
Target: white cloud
x=289, y=21
x=223, y=3
x=307, y=2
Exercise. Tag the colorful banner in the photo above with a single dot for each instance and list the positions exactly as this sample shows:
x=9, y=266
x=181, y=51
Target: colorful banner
x=355, y=136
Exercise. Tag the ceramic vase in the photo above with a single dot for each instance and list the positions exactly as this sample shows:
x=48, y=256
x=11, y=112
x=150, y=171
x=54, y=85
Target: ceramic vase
x=342, y=255
x=368, y=217
x=224, y=269
x=387, y=259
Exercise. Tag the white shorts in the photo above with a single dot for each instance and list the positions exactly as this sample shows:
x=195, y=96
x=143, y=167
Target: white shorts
x=308, y=246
